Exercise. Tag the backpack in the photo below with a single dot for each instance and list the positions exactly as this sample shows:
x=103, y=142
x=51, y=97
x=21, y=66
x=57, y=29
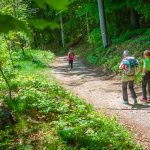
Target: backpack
x=130, y=63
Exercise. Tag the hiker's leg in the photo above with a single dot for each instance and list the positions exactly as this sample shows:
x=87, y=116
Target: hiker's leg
x=148, y=81
x=131, y=87
x=124, y=90
x=69, y=64
x=144, y=92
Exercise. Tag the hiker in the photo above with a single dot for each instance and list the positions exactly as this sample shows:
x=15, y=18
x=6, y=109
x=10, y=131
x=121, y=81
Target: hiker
x=146, y=76
x=70, y=58
x=129, y=66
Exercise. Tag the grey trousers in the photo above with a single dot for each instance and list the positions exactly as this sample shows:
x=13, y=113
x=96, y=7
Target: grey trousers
x=124, y=90
x=144, y=91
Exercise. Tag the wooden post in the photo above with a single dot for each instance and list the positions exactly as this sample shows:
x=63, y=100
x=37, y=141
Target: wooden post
x=103, y=23
x=87, y=27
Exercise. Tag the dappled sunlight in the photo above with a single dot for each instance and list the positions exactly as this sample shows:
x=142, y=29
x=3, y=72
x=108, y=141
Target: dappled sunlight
x=104, y=92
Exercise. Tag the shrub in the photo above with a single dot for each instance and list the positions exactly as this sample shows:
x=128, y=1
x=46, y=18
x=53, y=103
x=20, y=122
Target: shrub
x=50, y=117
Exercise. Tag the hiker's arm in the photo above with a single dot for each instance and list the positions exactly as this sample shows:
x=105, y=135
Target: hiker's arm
x=144, y=69
x=143, y=72
x=120, y=66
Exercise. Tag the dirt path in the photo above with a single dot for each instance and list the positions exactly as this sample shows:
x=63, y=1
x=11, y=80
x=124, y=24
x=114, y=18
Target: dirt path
x=105, y=94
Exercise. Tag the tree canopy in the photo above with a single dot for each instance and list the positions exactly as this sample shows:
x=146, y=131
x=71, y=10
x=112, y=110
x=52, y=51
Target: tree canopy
x=80, y=19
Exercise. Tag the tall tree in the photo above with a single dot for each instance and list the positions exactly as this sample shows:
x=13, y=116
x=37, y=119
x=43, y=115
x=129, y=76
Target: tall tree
x=134, y=19
x=62, y=30
x=103, y=23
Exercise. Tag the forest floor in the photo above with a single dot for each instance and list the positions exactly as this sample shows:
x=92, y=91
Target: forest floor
x=104, y=93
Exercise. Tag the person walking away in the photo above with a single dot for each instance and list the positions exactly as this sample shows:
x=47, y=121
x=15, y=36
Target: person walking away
x=146, y=77
x=129, y=67
x=70, y=59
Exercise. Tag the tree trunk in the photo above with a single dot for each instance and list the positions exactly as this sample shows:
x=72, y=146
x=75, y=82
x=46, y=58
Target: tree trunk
x=14, y=8
x=134, y=19
x=17, y=8
x=62, y=31
x=7, y=82
x=43, y=41
x=87, y=27
x=9, y=50
x=35, y=39
x=103, y=23
x=23, y=52
x=10, y=55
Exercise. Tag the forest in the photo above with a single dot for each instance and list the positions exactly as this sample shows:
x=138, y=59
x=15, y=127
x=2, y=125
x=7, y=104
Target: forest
x=36, y=112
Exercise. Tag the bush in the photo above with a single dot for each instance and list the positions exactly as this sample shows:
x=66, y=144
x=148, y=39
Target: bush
x=95, y=37
x=50, y=117
x=109, y=59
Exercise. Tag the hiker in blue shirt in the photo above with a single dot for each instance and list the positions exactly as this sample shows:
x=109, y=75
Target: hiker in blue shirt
x=129, y=67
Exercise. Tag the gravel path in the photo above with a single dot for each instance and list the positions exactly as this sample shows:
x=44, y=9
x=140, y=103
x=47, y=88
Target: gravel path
x=104, y=93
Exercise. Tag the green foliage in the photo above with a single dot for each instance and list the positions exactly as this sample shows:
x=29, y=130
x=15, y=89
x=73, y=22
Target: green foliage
x=87, y=8
x=50, y=117
x=3, y=52
x=95, y=37
x=17, y=40
x=92, y=59
x=59, y=6
x=42, y=24
x=129, y=35
x=137, y=5
x=80, y=19
x=109, y=59
x=8, y=23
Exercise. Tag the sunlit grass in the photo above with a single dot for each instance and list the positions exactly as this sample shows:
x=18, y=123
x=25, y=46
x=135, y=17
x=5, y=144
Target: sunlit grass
x=49, y=117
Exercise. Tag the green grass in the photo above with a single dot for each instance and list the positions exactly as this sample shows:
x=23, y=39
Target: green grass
x=49, y=117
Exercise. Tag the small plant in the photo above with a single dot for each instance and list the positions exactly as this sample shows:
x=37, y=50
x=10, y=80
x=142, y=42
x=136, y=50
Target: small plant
x=50, y=117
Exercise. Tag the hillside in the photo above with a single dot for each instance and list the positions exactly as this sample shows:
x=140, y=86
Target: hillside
x=108, y=59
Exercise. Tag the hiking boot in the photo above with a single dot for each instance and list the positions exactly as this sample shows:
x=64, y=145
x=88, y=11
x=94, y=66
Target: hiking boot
x=125, y=102
x=143, y=99
x=134, y=101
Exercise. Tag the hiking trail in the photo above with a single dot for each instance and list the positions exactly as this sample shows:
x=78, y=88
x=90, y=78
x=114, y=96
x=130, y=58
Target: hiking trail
x=105, y=94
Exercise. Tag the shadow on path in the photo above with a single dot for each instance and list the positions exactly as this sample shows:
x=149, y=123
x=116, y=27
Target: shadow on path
x=103, y=92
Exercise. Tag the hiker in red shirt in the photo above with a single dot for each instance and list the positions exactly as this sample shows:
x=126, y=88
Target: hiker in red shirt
x=70, y=58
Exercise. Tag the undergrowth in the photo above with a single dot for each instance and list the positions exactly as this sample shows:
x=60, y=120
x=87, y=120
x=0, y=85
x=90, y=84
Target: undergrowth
x=49, y=117
x=109, y=59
